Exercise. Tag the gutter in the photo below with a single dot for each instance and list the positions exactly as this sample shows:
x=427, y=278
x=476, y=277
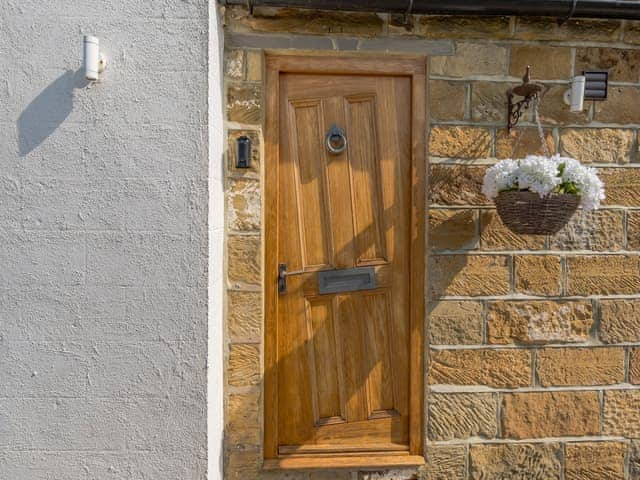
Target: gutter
x=563, y=9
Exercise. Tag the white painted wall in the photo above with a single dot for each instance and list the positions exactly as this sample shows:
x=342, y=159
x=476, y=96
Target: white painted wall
x=216, y=246
x=104, y=242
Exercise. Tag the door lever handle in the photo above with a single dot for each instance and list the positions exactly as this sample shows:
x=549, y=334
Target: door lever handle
x=282, y=277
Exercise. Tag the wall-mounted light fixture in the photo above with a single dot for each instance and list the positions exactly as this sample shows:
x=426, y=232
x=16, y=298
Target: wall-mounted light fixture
x=94, y=61
x=591, y=85
x=596, y=84
x=243, y=152
x=575, y=95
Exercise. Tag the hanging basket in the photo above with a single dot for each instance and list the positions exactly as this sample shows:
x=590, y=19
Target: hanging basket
x=528, y=213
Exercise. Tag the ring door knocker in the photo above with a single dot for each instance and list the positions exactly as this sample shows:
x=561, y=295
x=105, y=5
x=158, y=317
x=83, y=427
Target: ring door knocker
x=336, y=141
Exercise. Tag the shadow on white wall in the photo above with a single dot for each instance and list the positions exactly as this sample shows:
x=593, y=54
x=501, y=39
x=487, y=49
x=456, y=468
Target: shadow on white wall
x=48, y=110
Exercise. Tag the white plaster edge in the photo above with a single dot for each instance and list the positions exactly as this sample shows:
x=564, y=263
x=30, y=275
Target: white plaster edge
x=215, y=399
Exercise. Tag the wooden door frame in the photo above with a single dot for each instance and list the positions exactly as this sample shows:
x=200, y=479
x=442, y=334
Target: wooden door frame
x=416, y=68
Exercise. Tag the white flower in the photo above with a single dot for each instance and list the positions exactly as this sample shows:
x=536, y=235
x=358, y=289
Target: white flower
x=544, y=175
x=590, y=187
x=502, y=176
x=538, y=174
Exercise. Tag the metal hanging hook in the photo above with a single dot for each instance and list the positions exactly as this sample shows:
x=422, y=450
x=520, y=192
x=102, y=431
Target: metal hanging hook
x=336, y=140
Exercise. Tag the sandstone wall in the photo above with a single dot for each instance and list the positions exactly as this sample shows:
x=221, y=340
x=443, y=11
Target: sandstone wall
x=533, y=342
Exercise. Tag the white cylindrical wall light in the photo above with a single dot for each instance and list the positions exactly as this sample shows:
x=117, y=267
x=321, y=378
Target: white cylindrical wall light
x=94, y=61
x=575, y=95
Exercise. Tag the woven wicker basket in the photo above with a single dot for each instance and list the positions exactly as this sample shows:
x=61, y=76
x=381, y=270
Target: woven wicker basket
x=528, y=213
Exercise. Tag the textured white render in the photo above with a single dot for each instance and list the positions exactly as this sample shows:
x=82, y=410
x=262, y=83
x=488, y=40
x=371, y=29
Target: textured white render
x=216, y=246
x=104, y=241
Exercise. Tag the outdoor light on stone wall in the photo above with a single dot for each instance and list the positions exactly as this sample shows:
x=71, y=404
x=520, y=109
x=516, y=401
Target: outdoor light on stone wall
x=243, y=152
x=574, y=96
x=93, y=60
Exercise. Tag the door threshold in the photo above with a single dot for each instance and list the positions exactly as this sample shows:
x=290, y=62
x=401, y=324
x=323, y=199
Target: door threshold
x=326, y=462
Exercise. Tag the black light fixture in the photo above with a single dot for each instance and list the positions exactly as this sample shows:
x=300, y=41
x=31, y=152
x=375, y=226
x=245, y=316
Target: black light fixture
x=596, y=84
x=243, y=152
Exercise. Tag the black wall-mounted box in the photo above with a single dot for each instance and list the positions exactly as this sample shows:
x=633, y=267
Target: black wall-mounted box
x=596, y=84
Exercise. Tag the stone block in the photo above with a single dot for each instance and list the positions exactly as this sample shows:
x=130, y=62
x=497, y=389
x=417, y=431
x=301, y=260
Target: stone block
x=446, y=462
x=462, y=415
x=633, y=230
x=619, y=107
x=632, y=32
x=456, y=185
x=244, y=260
x=547, y=63
x=472, y=59
x=550, y=414
x=244, y=104
x=447, y=100
x=453, y=229
x=459, y=142
x=243, y=365
x=243, y=205
x=622, y=186
x=468, y=275
x=598, y=145
x=634, y=366
x=523, y=141
x=489, y=101
x=504, y=368
x=234, y=64
x=619, y=320
x=599, y=230
x=242, y=465
x=538, y=274
x=291, y=20
x=580, y=366
x=463, y=27
x=575, y=29
x=494, y=235
x=595, y=461
x=538, y=322
x=455, y=323
x=553, y=110
x=623, y=65
x=512, y=461
x=254, y=65
x=634, y=460
x=243, y=428
x=621, y=413
x=603, y=274
x=244, y=316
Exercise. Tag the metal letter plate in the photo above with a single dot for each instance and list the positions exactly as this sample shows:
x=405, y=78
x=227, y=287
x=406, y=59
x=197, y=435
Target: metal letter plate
x=348, y=280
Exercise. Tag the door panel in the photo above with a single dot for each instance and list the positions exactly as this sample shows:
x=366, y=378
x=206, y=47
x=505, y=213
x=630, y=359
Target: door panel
x=344, y=358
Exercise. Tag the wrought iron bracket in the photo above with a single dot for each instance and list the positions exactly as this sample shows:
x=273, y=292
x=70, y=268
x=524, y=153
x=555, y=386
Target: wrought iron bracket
x=529, y=91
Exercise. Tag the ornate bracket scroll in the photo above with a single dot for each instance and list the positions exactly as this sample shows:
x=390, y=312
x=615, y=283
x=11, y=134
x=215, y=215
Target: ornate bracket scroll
x=529, y=91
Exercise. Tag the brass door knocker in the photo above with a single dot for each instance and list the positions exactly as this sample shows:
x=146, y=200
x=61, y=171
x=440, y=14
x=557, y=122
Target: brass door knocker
x=336, y=141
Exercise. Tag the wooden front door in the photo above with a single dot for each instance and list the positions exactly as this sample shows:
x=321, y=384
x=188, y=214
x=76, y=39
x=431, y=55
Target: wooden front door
x=345, y=246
